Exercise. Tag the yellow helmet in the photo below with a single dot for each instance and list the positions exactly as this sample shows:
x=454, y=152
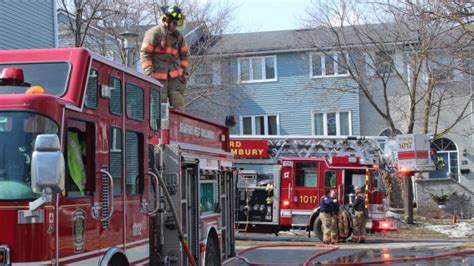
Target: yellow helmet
x=174, y=13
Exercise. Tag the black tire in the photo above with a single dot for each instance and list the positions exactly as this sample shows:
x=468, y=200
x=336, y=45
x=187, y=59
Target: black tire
x=318, y=228
x=118, y=260
x=213, y=257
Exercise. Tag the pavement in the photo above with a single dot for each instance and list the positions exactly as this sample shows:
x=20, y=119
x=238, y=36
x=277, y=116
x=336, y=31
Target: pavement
x=376, y=248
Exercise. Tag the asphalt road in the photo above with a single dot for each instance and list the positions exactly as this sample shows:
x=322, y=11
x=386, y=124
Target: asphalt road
x=376, y=248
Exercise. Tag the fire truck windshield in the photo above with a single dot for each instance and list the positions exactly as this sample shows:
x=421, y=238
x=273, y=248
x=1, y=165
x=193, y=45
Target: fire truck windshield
x=53, y=77
x=18, y=131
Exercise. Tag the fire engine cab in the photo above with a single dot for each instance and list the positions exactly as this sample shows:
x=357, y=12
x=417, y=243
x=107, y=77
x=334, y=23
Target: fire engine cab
x=282, y=179
x=94, y=171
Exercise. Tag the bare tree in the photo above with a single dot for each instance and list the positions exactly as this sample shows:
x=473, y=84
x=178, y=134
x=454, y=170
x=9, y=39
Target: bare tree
x=82, y=15
x=457, y=11
x=404, y=65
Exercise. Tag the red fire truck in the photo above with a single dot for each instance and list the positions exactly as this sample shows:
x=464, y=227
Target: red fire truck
x=94, y=171
x=282, y=178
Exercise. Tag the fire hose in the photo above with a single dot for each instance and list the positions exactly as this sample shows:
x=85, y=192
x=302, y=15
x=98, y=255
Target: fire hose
x=239, y=254
x=332, y=248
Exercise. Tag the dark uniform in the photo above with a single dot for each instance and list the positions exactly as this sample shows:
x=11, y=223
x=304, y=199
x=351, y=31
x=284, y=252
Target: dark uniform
x=328, y=212
x=360, y=219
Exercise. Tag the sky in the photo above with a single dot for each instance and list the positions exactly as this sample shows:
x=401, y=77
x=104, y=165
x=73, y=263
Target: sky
x=268, y=15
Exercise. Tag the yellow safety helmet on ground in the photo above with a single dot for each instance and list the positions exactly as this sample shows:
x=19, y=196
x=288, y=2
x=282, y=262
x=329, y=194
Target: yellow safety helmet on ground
x=175, y=13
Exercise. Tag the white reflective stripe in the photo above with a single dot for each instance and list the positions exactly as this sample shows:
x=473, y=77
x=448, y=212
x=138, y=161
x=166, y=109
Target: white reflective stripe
x=297, y=212
x=32, y=263
x=91, y=261
x=285, y=213
x=80, y=255
x=103, y=250
x=138, y=253
x=146, y=240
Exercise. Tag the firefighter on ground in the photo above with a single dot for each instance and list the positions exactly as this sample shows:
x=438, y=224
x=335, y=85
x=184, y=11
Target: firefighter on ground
x=360, y=217
x=329, y=209
x=164, y=56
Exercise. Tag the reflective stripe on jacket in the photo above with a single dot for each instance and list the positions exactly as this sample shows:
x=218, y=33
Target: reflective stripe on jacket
x=74, y=161
x=164, y=54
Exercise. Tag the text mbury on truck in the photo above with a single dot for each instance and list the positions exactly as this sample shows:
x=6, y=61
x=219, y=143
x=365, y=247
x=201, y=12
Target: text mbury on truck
x=94, y=171
x=282, y=178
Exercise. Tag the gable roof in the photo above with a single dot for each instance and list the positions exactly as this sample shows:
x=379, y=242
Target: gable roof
x=306, y=39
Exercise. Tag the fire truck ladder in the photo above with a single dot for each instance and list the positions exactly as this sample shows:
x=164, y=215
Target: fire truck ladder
x=370, y=150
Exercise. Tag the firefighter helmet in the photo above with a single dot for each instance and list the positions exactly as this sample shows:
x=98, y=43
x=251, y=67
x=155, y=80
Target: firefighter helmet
x=175, y=13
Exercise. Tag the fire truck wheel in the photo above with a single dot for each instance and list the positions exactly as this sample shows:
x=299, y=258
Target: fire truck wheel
x=318, y=228
x=212, y=253
x=118, y=260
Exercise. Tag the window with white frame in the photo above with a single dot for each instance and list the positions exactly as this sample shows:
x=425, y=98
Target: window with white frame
x=332, y=124
x=446, y=158
x=254, y=69
x=329, y=64
x=259, y=125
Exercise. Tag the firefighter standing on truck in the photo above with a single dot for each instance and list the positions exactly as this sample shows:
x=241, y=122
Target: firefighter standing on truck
x=164, y=56
x=329, y=209
x=360, y=217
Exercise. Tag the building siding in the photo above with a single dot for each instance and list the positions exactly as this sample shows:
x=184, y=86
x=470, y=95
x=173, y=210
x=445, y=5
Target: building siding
x=294, y=96
x=27, y=24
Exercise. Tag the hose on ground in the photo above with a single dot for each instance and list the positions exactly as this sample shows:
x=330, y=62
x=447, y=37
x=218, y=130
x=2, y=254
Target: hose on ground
x=332, y=248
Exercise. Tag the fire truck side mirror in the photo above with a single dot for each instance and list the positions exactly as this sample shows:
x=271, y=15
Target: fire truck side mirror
x=47, y=165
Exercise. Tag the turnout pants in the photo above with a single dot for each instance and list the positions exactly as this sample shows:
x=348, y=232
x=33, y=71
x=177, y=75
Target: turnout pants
x=359, y=221
x=173, y=89
x=329, y=227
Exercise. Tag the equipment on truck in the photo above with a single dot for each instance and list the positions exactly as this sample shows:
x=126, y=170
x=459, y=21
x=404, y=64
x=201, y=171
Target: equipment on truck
x=95, y=171
x=300, y=168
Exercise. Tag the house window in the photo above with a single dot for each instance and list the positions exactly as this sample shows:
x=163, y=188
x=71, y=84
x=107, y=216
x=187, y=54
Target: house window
x=384, y=62
x=442, y=68
x=257, y=69
x=332, y=124
x=332, y=64
x=203, y=74
x=259, y=125
x=446, y=158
